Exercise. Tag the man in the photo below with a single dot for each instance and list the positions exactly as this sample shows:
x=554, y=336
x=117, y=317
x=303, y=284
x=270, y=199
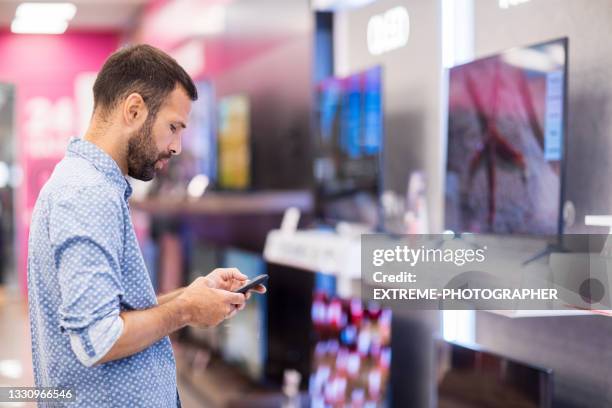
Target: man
x=97, y=326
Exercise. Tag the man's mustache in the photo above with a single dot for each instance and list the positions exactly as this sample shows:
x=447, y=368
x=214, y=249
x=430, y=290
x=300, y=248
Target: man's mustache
x=165, y=156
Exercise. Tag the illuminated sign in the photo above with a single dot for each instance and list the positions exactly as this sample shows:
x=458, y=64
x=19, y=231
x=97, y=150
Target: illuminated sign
x=388, y=31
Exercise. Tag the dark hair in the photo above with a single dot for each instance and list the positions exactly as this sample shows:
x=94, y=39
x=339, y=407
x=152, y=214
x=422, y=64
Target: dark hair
x=143, y=69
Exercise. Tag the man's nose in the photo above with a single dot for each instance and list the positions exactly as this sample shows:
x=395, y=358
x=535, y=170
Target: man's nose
x=175, y=147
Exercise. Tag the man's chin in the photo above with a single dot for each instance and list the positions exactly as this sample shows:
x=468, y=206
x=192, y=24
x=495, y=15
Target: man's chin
x=146, y=175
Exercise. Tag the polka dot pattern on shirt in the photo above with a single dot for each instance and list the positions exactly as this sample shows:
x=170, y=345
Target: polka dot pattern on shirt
x=84, y=264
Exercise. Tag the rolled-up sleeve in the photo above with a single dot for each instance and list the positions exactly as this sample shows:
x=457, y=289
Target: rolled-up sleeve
x=86, y=233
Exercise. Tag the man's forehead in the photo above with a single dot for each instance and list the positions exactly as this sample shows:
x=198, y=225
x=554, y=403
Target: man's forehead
x=178, y=104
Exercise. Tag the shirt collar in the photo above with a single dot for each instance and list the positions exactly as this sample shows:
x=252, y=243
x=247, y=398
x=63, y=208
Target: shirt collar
x=102, y=162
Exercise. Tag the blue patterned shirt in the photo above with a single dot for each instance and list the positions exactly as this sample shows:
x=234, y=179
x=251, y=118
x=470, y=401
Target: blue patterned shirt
x=84, y=268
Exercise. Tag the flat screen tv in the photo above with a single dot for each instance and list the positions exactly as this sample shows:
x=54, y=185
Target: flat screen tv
x=289, y=323
x=200, y=136
x=471, y=377
x=349, y=138
x=506, y=140
x=234, y=143
x=204, y=257
x=244, y=337
x=289, y=298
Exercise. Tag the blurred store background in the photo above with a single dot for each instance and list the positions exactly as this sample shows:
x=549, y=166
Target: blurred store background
x=360, y=115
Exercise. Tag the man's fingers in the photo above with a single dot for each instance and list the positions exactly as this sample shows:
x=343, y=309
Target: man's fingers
x=236, y=285
x=230, y=310
x=233, y=273
x=235, y=298
x=260, y=289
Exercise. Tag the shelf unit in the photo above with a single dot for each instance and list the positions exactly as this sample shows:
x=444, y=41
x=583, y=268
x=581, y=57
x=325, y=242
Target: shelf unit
x=228, y=203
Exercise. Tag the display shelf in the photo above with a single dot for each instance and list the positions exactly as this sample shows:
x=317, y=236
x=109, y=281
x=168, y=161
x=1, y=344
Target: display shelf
x=229, y=203
x=316, y=251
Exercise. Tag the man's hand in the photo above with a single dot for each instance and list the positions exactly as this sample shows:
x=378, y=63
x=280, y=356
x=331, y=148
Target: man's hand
x=206, y=302
x=198, y=305
x=208, y=306
x=231, y=279
x=228, y=279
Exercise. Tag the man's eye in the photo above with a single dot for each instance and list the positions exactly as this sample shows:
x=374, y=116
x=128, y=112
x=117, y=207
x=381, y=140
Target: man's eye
x=173, y=128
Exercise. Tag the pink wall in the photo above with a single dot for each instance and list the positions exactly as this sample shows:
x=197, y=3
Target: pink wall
x=44, y=69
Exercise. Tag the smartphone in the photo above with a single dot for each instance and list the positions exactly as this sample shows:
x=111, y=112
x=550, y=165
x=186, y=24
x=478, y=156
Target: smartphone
x=258, y=280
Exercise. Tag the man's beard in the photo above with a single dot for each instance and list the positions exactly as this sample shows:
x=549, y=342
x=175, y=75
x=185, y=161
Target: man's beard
x=142, y=153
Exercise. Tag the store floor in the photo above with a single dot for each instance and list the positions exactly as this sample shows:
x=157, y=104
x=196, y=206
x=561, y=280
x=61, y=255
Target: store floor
x=15, y=354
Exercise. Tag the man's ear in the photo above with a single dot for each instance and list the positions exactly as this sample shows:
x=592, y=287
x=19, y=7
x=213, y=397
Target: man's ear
x=134, y=110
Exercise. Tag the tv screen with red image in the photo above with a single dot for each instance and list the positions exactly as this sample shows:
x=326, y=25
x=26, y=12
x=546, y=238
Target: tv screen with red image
x=506, y=132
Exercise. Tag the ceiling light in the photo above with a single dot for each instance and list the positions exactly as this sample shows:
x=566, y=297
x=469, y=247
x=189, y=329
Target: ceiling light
x=51, y=11
x=42, y=18
x=33, y=26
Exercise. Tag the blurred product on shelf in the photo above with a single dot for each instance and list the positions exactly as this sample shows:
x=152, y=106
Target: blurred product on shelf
x=234, y=143
x=352, y=354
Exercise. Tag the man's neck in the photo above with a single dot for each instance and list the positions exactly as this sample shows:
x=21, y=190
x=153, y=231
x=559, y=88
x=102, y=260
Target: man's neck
x=110, y=143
